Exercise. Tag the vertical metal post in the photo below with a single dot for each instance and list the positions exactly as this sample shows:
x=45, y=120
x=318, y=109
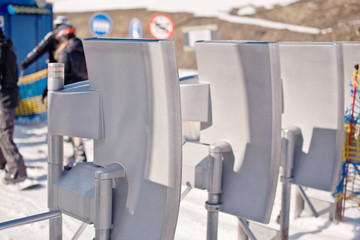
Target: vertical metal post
x=103, y=212
x=299, y=203
x=103, y=198
x=337, y=213
x=213, y=204
x=56, y=152
x=287, y=163
x=241, y=232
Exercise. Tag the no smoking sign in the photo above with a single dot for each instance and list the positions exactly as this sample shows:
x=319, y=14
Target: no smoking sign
x=161, y=26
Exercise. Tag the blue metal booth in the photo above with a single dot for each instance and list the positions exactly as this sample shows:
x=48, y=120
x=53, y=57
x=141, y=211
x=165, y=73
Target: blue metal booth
x=26, y=22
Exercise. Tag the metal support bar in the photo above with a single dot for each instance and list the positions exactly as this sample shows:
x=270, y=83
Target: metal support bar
x=56, y=152
x=287, y=163
x=285, y=207
x=213, y=204
x=241, y=233
x=29, y=219
x=103, y=198
x=334, y=209
x=186, y=191
x=299, y=204
x=307, y=200
x=246, y=229
x=79, y=231
x=337, y=213
x=55, y=167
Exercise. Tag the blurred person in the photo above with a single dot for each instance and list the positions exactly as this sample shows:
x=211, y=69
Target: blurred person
x=70, y=52
x=48, y=44
x=10, y=159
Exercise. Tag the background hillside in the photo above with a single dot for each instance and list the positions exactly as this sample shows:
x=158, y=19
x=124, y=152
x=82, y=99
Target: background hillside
x=339, y=20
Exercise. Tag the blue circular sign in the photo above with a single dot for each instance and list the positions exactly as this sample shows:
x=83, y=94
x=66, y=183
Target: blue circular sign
x=100, y=24
x=135, y=29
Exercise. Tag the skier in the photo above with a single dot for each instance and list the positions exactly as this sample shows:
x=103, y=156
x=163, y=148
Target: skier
x=70, y=52
x=48, y=44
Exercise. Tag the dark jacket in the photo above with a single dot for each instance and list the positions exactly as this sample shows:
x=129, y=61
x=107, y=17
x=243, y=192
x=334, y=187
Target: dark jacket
x=74, y=61
x=48, y=44
x=9, y=93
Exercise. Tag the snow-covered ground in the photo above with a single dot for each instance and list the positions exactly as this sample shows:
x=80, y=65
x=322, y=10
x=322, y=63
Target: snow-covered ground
x=32, y=142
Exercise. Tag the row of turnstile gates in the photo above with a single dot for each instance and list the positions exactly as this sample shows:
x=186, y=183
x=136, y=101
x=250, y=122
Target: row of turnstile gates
x=260, y=106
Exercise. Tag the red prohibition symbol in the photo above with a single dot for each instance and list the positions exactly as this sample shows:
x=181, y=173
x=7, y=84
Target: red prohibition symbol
x=161, y=26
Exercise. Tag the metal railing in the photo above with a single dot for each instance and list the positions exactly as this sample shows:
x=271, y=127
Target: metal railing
x=30, y=219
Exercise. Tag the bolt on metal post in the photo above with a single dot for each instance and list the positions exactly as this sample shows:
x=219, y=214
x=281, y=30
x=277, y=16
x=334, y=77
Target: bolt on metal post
x=213, y=205
x=56, y=152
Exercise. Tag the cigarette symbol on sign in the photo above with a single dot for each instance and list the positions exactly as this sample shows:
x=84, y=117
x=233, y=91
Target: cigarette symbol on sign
x=161, y=26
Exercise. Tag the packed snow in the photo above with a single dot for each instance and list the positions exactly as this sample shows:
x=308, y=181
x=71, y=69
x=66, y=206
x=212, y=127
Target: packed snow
x=32, y=143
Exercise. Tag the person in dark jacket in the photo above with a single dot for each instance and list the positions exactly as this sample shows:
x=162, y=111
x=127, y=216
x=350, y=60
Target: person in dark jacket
x=48, y=44
x=10, y=159
x=71, y=53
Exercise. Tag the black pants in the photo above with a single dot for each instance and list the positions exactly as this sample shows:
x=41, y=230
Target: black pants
x=9, y=153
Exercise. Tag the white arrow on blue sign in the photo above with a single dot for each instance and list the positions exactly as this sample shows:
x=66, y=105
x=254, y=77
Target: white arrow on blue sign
x=100, y=24
x=135, y=29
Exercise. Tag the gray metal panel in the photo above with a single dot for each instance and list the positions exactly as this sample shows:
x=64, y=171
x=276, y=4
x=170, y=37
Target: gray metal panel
x=82, y=119
x=79, y=191
x=245, y=95
x=313, y=89
x=140, y=97
x=351, y=52
x=195, y=101
x=195, y=169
